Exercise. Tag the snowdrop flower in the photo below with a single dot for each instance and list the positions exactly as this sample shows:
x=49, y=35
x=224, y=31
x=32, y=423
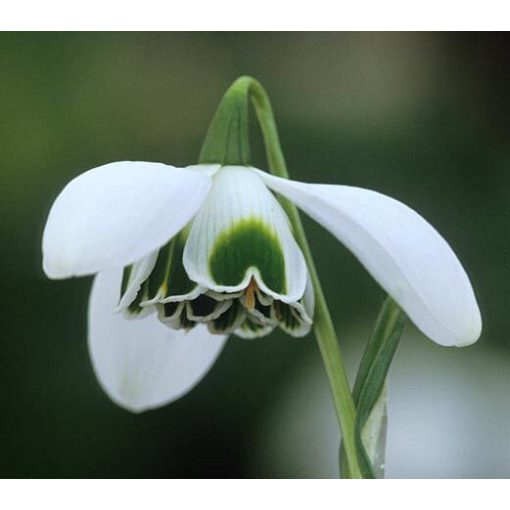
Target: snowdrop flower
x=187, y=256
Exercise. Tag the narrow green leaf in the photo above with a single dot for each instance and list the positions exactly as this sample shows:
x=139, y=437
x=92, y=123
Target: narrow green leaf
x=374, y=434
x=369, y=390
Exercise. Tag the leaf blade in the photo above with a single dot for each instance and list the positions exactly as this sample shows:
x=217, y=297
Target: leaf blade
x=368, y=392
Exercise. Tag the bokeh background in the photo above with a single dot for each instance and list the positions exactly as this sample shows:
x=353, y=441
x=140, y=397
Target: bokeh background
x=422, y=117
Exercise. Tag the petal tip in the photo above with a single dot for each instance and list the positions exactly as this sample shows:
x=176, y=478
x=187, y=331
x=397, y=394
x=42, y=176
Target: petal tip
x=55, y=270
x=472, y=334
x=463, y=335
x=133, y=406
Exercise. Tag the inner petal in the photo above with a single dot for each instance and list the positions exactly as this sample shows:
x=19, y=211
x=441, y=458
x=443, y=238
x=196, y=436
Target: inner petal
x=241, y=233
x=168, y=281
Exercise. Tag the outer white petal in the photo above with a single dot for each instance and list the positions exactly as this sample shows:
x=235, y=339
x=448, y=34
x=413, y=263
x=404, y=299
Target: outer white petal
x=238, y=194
x=142, y=364
x=403, y=252
x=115, y=214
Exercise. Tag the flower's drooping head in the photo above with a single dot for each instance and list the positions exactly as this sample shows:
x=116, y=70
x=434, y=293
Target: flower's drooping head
x=235, y=267
x=209, y=251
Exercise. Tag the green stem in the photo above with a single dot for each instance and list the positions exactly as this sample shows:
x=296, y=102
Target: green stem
x=323, y=325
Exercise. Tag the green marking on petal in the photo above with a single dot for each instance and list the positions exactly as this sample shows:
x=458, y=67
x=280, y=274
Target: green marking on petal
x=265, y=311
x=185, y=322
x=169, y=277
x=159, y=275
x=250, y=329
x=228, y=319
x=285, y=316
x=290, y=319
x=248, y=244
x=170, y=308
x=134, y=308
x=178, y=282
x=203, y=306
x=126, y=273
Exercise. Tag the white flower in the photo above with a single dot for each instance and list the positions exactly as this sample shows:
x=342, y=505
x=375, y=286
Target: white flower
x=211, y=251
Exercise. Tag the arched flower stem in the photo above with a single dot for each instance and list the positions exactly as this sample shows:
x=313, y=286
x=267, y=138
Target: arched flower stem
x=323, y=325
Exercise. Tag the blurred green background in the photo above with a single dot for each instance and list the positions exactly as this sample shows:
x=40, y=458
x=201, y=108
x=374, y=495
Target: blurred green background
x=422, y=117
